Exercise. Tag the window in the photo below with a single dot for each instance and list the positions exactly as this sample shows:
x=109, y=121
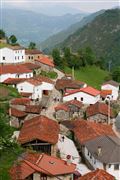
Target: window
x=26, y=75
x=22, y=57
x=94, y=161
x=38, y=56
x=21, y=88
x=75, y=98
x=29, y=57
x=43, y=177
x=81, y=99
x=29, y=75
x=3, y=57
x=109, y=165
x=18, y=57
x=116, y=167
x=15, y=57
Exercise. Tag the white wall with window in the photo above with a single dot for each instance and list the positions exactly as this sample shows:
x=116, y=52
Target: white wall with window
x=11, y=56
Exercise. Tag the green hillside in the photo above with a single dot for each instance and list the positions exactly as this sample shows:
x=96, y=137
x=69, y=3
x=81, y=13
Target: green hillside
x=102, y=35
x=92, y=75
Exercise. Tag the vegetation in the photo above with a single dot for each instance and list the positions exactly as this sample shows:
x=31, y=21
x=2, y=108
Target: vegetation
x=92, y=75
x=32, y=45
x=102, y=35
x=52, y=74
x=2, y=34
x=116, y=74
x=12, y=40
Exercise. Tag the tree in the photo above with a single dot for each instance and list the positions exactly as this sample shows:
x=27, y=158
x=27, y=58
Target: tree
x=81, y=56
x=89, y=56
x=116, y=74
x=12, y=39
x=57, y=58
x=32, y=45
x=2, y=34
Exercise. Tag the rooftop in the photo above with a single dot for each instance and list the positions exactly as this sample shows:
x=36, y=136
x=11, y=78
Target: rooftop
x=109, y=144
x=35, y=109
x=113, y=83
x=32, y=51
x=16, y=113
x=45, y=60
x=42, y=163
x=40, y=128
x=97, y=174
x=99, y=108
x=11, y=81
x=20, y=101
x=31, y=66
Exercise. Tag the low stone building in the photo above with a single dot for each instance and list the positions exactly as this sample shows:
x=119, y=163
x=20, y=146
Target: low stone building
x=40, y=133
x=32, y=54
x=100, y=113
x=68, y=110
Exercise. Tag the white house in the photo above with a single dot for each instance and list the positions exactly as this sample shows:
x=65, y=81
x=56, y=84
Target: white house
x=103, y=152
x=36, y=86
x=87, y=95
x=113, y=86
x=12, y=55
x=14, y=71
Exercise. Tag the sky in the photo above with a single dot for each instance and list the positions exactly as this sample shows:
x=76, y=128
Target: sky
x=60, y=7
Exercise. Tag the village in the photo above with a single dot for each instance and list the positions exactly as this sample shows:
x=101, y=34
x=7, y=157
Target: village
x=67, y=128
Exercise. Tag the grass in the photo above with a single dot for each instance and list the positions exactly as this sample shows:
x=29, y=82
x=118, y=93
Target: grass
x=52, y=74
x=92, y=75
x=2, y=45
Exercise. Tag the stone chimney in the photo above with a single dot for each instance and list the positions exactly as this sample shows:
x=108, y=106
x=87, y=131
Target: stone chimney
x=99, y=151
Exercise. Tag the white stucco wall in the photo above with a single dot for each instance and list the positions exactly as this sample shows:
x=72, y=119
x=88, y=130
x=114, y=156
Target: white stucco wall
x=87, y=99
x=12, y=56
x=3, y=77
x=114, y=89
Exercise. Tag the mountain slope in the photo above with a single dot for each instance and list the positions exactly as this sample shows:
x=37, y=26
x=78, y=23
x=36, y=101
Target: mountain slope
x=31, y=26
x=102, y=34
x=61, y=36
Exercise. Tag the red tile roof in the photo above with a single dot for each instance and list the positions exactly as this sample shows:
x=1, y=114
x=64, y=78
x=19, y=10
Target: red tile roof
x=31, y=66
x=98, y=174
x=99, y=108
x=32, y=51
x=85, y=130
x=40, y=128
x=68, y=83
x=62, y=107
x=104, y=93
x=14, y=69
x=20, y=101
x=88, y=90
x=46, y=61
x=33, y=81
x=11, y=81
x=41, y=163
x=75, y=103
x=16, y=113
x=33, y=109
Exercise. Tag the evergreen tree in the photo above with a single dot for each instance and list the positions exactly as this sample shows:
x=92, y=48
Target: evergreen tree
x=12, y=39
x=32, y=45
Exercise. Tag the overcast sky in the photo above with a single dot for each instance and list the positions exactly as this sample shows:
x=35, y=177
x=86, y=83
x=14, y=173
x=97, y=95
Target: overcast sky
x=60, y=6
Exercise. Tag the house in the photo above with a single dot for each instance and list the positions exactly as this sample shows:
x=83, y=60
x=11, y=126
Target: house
x=37, y=86
x=32, y=54
x=87, y=95
x=106, y=95
x=68, y=110
x=12, y=55
x=16, y=117
x=68, y=84
x=46, y=63
x=40, y=133
x=98, y=174
x=34, y=67
x=14, y=71
x=32, y=111
x=100, y=112
x=13, y=81
x=113, y=86
x=36, y=166
x=20, y=103
x=103, y=152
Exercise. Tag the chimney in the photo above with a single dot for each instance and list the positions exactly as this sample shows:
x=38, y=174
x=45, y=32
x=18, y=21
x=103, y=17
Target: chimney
x=68, y=160
x=99, y=151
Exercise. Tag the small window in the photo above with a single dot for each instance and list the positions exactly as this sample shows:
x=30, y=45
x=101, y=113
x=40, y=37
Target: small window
x=109, y=165
x=21, y=88
x=26, y=75
x=15, y=57
x=81, y=99
x=3, y=57
x=75, y=98
x=18, y=57
x=38, y=56
x=29, y=57
x=29, y=75
x=116, y=167
x=94, y=161
x=22, y=57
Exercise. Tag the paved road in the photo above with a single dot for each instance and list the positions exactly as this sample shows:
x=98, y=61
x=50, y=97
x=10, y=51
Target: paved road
x=60, y=74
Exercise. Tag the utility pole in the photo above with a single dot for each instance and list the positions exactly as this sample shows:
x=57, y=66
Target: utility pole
x=109, y=65
x=109, y=111
x=73, y=73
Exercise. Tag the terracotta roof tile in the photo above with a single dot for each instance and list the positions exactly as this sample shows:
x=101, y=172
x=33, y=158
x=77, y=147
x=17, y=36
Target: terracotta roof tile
x=33, y=109
x=45, y=60
x=32, y=51
x=104, y=93
x=16, y=113
x=11, y=81
x=89, y=90
x=40, y=128
x=98, y=174
x=13, y=69
x=42, y=163
x=99, y=108
x=62, y=107
x=85, y=130
x=20, y=101
x=31, y=66
x=75, y=103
